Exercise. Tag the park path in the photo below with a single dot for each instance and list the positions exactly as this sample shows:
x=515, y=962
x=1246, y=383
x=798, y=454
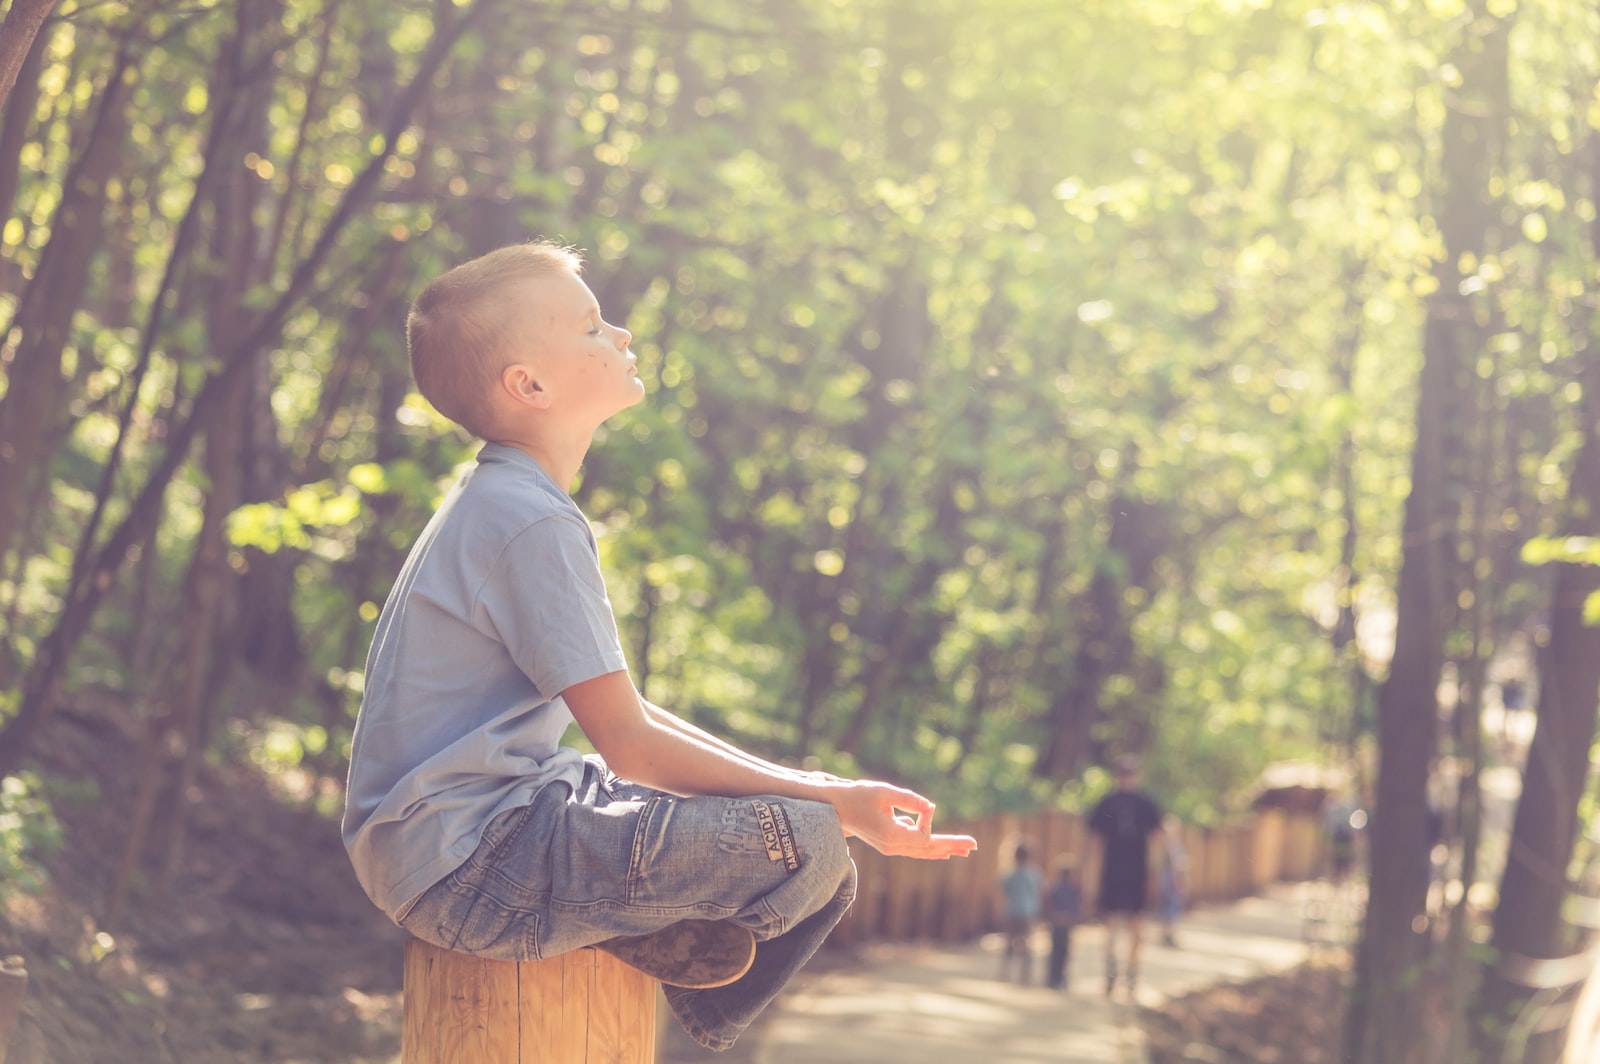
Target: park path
x=905, y=1004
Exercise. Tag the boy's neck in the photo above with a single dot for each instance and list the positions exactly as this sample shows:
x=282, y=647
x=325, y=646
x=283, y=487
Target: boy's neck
x=560, y=461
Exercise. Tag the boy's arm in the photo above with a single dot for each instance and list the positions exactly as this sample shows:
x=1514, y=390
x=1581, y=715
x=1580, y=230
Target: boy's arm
x=677, y=757
x=1094, y=858
x=668, y=719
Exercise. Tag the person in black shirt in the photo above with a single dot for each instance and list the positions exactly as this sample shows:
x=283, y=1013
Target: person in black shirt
x=1121, y=826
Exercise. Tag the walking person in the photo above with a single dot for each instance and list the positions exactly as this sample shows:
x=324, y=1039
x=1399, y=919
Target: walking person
x=1020, y=888
x=1121, y=828
x=1174, y=880
x=1063, y=908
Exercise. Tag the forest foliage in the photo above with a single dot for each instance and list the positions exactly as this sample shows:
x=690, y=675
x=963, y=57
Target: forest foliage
x=1029, y=382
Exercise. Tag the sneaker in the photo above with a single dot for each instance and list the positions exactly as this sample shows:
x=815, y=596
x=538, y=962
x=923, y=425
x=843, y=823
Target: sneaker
x=693, y=954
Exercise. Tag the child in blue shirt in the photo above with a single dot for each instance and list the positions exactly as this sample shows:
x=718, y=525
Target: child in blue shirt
x=1020, y=889
x=1063, y=908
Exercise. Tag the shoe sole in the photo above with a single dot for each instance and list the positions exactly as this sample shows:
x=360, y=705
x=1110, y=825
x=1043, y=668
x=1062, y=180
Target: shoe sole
x=692, y=954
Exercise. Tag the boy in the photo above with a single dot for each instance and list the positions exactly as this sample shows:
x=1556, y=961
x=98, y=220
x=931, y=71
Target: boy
x=1063, y=908
x=465, y=820
x=1020, y=889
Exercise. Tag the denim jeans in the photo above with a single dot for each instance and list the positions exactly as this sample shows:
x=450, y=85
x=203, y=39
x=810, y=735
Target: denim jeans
x=614, y=858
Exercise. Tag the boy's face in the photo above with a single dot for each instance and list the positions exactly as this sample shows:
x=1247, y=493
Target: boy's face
x=580, y=360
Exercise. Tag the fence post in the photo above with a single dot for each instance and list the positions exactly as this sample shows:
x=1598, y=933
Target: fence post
x=13, y=990
x=581, y=1006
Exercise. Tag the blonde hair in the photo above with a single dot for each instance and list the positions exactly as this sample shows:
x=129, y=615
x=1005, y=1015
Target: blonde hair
x=462, y=326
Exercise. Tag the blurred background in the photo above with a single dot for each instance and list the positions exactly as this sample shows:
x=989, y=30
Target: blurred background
x=1029, y=383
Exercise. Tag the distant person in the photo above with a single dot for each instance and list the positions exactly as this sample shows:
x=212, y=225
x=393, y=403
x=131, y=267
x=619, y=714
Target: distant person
x=1343, y=822
x=1122, y=826
x=1514, y=702
x=1020, y=889
x=1174, y=880
x=467, y=821
x=1063, y=909
x=1436, y=846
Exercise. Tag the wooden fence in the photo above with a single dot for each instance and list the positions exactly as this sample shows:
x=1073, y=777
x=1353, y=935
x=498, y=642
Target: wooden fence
x=904, y=900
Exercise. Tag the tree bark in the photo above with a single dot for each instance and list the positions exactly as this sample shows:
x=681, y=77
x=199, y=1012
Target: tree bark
x=32, y=411
x=17, y=118
x=1139, y=537
x=1384, y=1020
x=1529, y=927
x=95, y=571
x=1528, y=923
x=17, y=34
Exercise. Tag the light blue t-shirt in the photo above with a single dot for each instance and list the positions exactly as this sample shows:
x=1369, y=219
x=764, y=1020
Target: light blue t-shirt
x=498, y=609
x=1021, y=888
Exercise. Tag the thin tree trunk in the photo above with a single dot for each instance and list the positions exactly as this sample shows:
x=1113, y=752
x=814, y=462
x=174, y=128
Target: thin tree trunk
x=1385, y=1019
x=95, y=571
x=1528, y=923
x=1483, y=584
x=218, y=284
x=32, y=411
x=16, y=119
x=17, y=34
x=1137, y=539
x=1345, y=643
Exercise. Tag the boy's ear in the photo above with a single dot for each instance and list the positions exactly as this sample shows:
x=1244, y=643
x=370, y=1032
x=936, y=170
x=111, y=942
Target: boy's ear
x=519, y=382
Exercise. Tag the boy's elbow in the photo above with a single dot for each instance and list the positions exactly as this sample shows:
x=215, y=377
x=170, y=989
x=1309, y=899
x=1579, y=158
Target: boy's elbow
x=625, y=762
x=614, y=719
x=631, y=753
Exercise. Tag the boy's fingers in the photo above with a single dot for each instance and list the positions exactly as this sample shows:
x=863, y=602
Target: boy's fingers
x=911, y=801
x=941, y=846
x=952, y=845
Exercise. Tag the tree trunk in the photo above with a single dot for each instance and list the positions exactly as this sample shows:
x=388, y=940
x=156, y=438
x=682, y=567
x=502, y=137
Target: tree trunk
x=1484, y=580
x=94, y=571
x=16, y=119
x=17, y=34
x=1385, y=998
x=1384, y=1021
x=1138, y=538
x=32, y=411
x=1528, y=921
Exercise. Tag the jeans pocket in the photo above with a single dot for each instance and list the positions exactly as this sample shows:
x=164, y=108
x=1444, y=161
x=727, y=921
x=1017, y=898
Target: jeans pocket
x=499, y=833
x=481, y=924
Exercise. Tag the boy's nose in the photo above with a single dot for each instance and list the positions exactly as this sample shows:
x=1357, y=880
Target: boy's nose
x=625, y=336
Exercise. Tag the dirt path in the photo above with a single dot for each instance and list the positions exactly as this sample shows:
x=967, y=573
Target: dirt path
x=898, y=1004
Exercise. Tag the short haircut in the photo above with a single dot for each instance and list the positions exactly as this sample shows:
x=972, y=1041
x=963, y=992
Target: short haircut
x=462, y=327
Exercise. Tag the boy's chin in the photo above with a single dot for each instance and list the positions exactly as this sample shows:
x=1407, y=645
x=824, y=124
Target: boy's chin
x=634, y=400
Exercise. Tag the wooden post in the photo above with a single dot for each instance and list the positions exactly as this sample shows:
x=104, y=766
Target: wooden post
x=13, y=990
x=581, y=1007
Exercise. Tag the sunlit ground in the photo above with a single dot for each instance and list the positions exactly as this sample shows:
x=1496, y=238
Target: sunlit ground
x=921, y=1005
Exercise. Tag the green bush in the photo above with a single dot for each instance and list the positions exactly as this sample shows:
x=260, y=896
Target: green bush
x=28, y=828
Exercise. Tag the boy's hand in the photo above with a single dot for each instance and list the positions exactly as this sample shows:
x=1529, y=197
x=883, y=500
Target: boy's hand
x=895, y=822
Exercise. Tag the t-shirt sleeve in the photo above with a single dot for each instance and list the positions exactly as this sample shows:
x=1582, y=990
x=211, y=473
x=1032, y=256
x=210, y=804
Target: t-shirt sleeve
x=1152, y=814
x=547, y=602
